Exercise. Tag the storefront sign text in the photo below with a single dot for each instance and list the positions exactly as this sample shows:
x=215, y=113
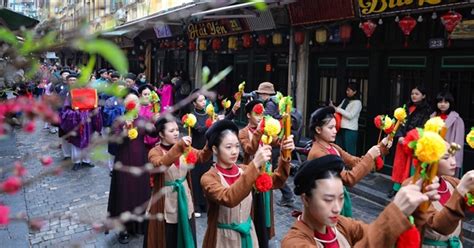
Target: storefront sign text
x=215, y=28
x=369, y=7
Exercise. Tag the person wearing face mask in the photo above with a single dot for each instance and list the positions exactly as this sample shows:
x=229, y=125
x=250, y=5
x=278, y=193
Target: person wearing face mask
x=320, y=186
x=454, y=123
x=419, y=112
x=166, y=94
x=323, y=127
x=141, y=79
x=128, y=191
x=178, y=224
x=349, y=109
x=441, y=224
x=228, y=187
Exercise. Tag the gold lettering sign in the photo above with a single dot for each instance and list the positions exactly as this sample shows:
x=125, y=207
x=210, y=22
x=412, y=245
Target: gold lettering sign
x=215, y=28
x=369, y=7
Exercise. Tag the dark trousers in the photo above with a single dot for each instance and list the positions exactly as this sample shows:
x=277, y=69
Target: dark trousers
x=286, y=192
x=172, y=233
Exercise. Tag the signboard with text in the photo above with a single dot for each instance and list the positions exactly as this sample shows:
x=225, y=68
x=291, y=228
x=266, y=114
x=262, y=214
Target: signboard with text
x=377, y=7
x=216, y=28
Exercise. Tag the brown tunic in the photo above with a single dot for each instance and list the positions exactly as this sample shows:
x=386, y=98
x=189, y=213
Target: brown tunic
x=249, y=142
x=360, y=167
x=158, y=157
x=383, y=232
x=441, y=222
x=217, y=194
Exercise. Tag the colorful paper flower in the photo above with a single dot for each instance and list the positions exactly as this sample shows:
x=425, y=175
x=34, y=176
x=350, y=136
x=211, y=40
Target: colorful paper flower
x=132, y=133
x=400, y=114
x=389, y=129
x=154, y=98
x=264, y=182
x=11, y=185
x=189, y=120
x=283, y=103
x=266, y=139
x=272, y=126
x=209, y=122
x=470, y=138
x=46, y=160
x=240, y=92
x=411, y=138
x=378, y=121
x=258, y=109
x=434, y=124
x=430, y=147
x=226, y=103
x=131, y=105
x=410, y=238
x=4, y=213
x=191, y=157
x=387, y=122
x=210, y=109
x=469, y=198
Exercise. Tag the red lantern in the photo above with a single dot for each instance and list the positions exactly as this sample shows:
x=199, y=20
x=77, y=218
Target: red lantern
x=407, y=24
x=450, y=20
x=180, y=44
x=262, y=40
x=192, y=46
x=246, y=40
x=173, y=44
x=162, y=44
x=299, y=38
x=345, y=33
x=368, y=27
x=166, y=44
x=216, y=44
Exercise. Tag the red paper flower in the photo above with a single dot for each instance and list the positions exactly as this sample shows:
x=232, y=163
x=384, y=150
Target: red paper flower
x=390, y=129
x=264, y=182
x=412, y=136
x=11, y=185
x=19, y=169
x=191, y=157
x=258, y=109
x=4, y=212
x=378, y=121
x=46, y=160
x=130, y=105
x=409, y=239
x=208, y=122
x=184, y=118
x=379, y=163
x=29, y=127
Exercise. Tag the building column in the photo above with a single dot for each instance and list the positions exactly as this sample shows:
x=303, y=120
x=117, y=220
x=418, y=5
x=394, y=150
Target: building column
x=302, y=77
x=195, y=66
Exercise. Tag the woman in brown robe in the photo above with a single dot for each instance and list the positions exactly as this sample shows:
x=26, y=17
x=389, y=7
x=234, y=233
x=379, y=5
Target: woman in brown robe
x=323, y=126
x=177, y=228
x=319, y=183
x=228, y=187
x=441, y=224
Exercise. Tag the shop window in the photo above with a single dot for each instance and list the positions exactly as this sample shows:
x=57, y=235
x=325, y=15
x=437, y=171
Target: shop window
x=407, y=61
x=327, y=87
x=457, y=62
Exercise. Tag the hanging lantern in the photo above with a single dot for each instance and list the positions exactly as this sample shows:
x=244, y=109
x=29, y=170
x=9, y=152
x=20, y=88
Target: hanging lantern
x=167, y=44
x=407, y=24
x=162, y=44
x=450, y=20
x=368, y=27
x=321, y=35
x=216, y=44
x=180, y=44
x=262, y=40
x=345, y=33
x=232, y=43
x=299, y=38
x=202, y=45
x=173, y=44
x=192, y=46
x=247, y=41
x=277, y=39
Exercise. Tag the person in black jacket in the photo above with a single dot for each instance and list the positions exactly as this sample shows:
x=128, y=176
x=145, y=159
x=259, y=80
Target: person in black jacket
x=419, y=112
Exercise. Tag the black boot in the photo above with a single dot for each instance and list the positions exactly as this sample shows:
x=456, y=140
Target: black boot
x=123, y=238
x=87, y=164
x=76, y=166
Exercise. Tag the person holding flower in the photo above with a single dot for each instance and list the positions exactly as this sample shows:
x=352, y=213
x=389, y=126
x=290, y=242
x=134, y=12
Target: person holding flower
x=318, y=182
x=176, y=157
x=323, y=127
x=454, y=124
x=418, y=111
x=166, y=94
x=228, y=187
x=128, y=191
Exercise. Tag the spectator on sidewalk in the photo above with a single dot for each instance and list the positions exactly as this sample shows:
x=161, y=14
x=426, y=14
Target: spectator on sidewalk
x=166, y=94
x=349, y=109
x=456, y=131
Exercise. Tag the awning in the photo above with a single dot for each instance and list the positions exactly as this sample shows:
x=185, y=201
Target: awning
x=14, y=20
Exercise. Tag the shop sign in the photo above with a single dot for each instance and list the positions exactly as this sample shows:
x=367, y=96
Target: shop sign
x=436, y=43
x=162, y=31
x=371, y=7
x=216, y=28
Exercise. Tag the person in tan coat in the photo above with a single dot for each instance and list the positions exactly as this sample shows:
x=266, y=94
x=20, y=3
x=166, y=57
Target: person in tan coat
x=441, y=224
x=319, y=183
x=323, y=127
x=172, y=194
x=250, y=135
x=228, y=187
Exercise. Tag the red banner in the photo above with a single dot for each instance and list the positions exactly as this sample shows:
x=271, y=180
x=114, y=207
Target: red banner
x=311, y=11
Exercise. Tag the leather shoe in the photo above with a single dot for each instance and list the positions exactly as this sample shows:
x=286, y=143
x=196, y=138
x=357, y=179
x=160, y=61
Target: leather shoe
x=123, y=238
x=76, y=166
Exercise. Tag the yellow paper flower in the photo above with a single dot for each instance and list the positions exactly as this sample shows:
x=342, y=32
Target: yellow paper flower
x=190, y=120
x=133, y=133
x=400, y=114
x=226, y=103
x=470, y=138
x=430, y=147
x=387, y=122
x=242, y=86
x=210, y=109
x=272, y=127
x=434, y=124
x=266, y=139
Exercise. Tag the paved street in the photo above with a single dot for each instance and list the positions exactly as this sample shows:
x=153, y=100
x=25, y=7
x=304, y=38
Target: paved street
x=75, y=199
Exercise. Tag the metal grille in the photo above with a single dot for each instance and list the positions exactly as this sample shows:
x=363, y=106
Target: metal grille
x=263, y=22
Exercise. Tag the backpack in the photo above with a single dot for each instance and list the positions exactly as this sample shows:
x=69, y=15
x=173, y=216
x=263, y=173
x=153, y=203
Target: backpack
x=185, y=89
